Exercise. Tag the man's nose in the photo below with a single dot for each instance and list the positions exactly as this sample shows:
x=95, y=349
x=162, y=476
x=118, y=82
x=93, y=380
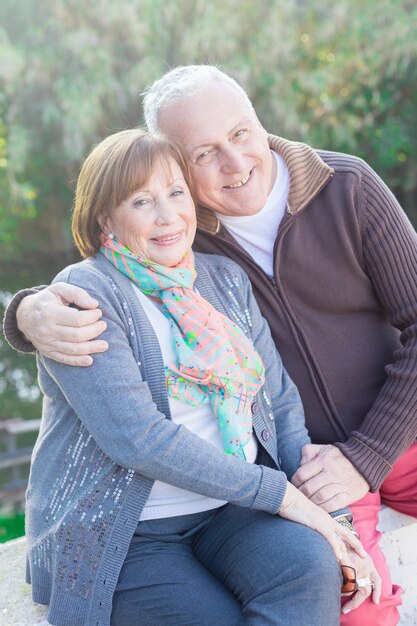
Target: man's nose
x=233, y=161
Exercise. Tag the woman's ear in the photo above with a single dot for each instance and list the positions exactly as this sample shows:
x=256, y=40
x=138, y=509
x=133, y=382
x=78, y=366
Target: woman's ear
x=105, y=226
x=103, y=221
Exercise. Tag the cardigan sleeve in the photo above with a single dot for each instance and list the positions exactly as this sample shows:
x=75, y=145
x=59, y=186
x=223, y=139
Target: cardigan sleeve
x=390, y=254
x=116, y=406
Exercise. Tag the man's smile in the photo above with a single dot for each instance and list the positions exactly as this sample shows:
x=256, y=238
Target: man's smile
x=239, y=183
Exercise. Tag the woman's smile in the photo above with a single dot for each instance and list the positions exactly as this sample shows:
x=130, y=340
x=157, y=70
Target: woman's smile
x=168, y=240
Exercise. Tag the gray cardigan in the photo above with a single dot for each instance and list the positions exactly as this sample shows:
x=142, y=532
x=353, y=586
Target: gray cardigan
x=106, y=435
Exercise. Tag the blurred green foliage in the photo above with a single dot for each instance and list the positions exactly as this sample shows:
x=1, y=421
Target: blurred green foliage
x=11, y=527
x=340, y=76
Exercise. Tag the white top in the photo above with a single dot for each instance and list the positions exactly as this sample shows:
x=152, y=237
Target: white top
x=166, y=500
x=257, y=233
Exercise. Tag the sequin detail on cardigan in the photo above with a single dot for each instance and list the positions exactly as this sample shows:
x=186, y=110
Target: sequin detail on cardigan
x=84, y=464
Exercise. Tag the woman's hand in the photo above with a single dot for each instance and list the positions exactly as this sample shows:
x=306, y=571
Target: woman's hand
x=297, y=508
x=347, y=548
x=365, y=569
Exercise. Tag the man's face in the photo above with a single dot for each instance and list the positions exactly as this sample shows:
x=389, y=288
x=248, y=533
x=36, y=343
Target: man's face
x=227, y=148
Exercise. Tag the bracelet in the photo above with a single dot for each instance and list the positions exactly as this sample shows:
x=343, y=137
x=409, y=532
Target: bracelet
x=345, y=522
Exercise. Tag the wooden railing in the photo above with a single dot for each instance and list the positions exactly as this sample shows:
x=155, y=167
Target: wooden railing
x=14, y=459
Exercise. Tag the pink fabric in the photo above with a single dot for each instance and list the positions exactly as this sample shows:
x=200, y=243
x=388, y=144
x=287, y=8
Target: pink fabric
x=399, y=491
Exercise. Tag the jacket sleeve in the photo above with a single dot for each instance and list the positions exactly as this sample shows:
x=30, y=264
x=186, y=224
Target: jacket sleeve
x=390, y=254
x=116, y=406
x=286, y=406
x=13, y=336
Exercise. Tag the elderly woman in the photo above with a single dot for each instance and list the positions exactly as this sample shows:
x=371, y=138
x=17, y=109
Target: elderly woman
x=159, y=488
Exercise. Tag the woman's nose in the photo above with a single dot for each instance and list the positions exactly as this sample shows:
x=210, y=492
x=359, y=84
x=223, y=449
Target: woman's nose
x=166, y=214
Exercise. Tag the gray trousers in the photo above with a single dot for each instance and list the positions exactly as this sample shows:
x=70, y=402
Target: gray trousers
x=227, y=567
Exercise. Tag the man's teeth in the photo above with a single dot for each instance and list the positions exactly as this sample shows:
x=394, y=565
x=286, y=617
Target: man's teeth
x=240, y=183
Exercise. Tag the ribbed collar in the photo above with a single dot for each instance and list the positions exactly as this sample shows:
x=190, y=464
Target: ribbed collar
x=308, y=175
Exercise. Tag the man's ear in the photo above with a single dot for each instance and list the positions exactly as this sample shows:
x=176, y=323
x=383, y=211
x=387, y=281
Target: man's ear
x=258, y=121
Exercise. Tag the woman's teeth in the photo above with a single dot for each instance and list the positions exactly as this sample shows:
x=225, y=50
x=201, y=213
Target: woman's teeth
x=169, y=238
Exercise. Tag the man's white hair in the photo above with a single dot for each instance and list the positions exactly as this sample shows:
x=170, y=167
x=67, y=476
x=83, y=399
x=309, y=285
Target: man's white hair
x=179, y=83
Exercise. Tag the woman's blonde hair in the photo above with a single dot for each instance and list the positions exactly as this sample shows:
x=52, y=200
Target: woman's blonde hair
x=114, y=169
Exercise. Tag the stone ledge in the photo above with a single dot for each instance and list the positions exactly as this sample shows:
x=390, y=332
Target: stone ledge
x=399, y=543
x=16, y=606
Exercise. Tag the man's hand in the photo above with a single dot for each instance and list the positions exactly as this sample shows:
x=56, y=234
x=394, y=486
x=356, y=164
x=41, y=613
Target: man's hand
x=328, y=478
x=59, y=331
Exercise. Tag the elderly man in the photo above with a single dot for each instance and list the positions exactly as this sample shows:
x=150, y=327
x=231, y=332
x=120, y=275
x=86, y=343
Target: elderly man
x=333, y=263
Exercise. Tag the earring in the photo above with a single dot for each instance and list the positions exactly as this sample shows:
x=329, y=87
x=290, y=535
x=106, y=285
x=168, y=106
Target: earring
x=110, y=235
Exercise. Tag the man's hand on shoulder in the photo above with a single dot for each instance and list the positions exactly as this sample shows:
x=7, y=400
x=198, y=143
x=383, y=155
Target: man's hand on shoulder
x=328, y=478
x=59, y=331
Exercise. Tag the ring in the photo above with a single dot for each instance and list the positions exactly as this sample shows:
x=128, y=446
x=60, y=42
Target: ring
x=335, y=533
x=364, y=582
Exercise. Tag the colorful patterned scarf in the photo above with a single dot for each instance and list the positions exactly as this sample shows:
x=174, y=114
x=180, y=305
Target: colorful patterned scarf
x=215, y=360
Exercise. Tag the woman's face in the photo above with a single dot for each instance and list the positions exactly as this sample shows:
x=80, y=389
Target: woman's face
x=158, y=221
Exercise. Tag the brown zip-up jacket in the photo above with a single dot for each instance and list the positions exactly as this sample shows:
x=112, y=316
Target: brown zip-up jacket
x=343, y=303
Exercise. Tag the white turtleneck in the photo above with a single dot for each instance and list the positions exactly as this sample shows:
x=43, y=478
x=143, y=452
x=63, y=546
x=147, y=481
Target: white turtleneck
x=257, y=233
